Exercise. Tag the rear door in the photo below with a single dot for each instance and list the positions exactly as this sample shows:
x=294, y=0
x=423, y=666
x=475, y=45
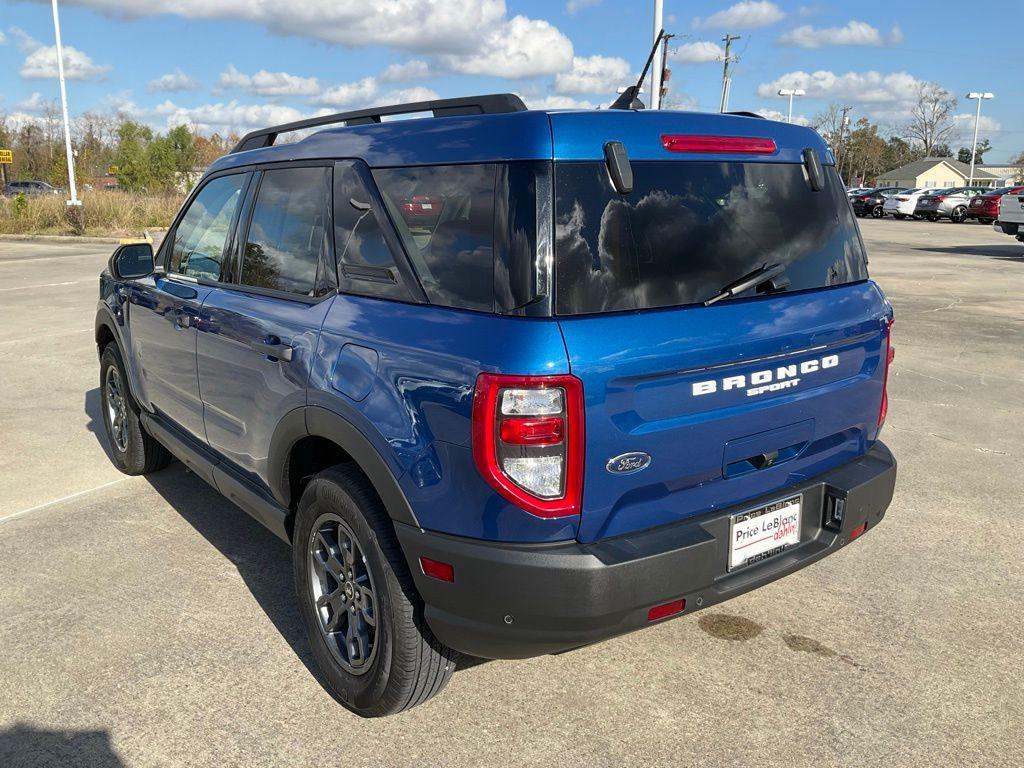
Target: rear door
x=732, y=400
x=258, y=335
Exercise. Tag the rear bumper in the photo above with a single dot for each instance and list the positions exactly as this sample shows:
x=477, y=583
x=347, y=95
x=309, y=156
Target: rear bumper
x=1006, y=227
x=522, y=600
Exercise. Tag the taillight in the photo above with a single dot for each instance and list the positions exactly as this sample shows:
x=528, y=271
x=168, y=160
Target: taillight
x=939, y=198
x=528, y=440
x=890, y=353
x=863, y=198
x=717, y=145
x=903, y=199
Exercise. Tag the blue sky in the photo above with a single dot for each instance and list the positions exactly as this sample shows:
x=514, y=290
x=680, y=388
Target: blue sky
x=236, y=64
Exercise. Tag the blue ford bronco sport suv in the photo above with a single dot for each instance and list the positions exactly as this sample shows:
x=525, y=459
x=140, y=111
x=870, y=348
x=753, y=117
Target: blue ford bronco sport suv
x=510, y=382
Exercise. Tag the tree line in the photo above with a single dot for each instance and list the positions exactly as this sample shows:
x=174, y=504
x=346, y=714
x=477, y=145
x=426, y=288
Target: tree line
x=864, y=149
x=139, y=158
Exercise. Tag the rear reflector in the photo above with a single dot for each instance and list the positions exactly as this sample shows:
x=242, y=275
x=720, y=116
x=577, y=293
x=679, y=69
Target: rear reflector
x=717, y=145
x=435, y=569
x=890, y=353
x=668, y=609
x=525, y=431
x=858, y=530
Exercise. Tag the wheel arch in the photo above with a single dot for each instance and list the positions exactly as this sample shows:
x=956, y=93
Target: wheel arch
x=312, y=438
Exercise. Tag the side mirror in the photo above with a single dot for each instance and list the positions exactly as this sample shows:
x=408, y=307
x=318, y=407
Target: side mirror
x=132, y=261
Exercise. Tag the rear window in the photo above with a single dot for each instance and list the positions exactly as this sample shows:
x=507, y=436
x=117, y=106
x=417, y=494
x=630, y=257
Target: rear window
x=689, y=228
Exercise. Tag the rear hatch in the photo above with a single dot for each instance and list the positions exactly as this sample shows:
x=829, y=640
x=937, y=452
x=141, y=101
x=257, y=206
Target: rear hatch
x=730, y=401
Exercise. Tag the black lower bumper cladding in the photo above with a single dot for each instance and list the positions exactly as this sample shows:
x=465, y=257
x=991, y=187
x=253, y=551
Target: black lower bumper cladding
x=522, y=600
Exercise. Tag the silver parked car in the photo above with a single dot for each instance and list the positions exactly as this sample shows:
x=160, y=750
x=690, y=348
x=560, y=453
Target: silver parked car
x=947, y=203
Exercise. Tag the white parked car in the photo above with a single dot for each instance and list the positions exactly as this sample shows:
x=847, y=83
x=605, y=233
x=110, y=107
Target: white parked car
x=1011, y=215
x=902, y=205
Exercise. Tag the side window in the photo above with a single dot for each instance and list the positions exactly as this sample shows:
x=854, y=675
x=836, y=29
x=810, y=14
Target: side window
x=287, y=247
x=445, y=216
x=365, y=260
x=201, y=234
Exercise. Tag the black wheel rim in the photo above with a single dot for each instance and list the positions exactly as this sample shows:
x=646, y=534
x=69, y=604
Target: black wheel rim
x=343, y=594
x=116, y=409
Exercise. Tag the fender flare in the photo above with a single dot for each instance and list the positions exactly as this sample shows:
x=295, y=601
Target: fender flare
x=315, y=421
x=105, y=319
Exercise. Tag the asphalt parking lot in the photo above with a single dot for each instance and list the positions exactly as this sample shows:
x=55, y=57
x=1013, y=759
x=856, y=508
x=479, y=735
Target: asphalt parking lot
x=148, y=622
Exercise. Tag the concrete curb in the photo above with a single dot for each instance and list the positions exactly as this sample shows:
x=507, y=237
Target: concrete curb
x=155, y=233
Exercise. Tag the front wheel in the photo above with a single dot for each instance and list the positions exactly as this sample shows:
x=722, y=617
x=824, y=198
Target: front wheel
x=133, y=450
x=958, y=215
x=877, y=212
x=932, y=217
x=359, y=605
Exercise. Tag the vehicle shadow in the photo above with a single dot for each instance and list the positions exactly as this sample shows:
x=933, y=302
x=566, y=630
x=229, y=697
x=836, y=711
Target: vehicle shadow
x=1009, y=252
x=24, y=746
x=94, y=412
x=262, y=560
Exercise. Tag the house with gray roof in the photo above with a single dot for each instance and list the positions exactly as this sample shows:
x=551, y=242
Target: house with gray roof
x=939, y=172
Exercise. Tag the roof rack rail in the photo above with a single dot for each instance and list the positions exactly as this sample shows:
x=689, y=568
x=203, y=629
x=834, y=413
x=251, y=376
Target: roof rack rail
x=742, y=113
x=469, y=105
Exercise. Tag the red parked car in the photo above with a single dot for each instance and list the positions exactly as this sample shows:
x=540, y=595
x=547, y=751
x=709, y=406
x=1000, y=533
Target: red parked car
x=422, y=210
x=985, y=208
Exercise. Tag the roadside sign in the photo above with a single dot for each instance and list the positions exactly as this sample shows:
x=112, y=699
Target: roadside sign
x=6, y=156
x=113, y=170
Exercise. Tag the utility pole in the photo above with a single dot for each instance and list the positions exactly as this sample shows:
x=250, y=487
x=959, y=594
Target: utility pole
x=666, y=73
x=726, y=80
x=659, y=12
x=64, y=105
x=839, y=147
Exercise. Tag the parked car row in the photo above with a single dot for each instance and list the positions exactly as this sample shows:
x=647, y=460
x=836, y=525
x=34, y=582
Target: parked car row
x=954, y=203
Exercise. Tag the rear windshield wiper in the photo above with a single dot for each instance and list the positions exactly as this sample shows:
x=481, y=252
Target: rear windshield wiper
x=762, y=274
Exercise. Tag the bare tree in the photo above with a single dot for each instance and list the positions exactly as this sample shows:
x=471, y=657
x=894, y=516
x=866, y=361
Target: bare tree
x=931, y=117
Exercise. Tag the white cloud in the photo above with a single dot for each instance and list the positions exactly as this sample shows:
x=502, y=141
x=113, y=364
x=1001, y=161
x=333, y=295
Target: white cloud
x=575, y=6
x=42, y=63
x=774, y=114
x=227, y=117
x=415, y=69
x=697, y=52
x=478, y=36
x=34, y=103
x=594, y=74
x=271, y=84
x=748, y=14
x=987, y=126
x=3, y=38
x=520, y=48
x=854, y=33
x=360, y=92
x=173, y=82
x=408, y=96
x=558, y=102
x=865, y=87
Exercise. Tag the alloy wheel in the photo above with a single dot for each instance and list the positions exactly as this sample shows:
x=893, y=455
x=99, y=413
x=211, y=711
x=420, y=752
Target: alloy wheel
x=343, y=593
x=116, y=408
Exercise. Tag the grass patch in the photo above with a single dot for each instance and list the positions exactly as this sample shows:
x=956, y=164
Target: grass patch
x=107, y=214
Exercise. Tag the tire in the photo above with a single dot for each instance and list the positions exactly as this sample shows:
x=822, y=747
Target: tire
x=985, y=221
x=958, y=215
x=133, y=450
x=932, y=217
x=877, y=212
x=397, y=663
x=901, y=216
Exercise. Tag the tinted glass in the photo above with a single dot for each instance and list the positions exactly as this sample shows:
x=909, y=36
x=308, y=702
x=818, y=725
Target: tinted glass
x=287, y=246
x=200, y=236
x=365, y=259
x=689, y=228
x=445, y=217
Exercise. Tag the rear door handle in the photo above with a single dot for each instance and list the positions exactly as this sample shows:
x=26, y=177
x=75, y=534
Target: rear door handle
x=274, y=349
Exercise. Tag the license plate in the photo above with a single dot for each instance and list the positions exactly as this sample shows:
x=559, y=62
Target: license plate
x=428, y=206
x=758, y=534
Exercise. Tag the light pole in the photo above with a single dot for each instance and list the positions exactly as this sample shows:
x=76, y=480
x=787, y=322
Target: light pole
x=791, y=92
x=977, y=119
x=64, y=105
x=659, y=12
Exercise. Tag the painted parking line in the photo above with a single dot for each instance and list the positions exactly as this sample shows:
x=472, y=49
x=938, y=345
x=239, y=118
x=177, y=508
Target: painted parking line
x=45, y=285
x=62, y=499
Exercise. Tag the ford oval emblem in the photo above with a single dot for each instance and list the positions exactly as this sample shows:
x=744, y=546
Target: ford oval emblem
x=628, y=463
